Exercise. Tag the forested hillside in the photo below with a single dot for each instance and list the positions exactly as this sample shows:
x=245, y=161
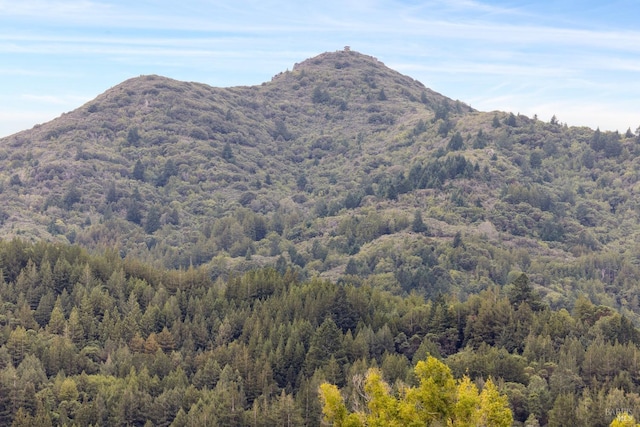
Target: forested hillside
x=342, y=168
x=98, y=340
x=178, y=254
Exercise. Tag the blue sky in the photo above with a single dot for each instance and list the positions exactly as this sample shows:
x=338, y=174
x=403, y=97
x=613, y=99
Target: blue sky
x=579, y=60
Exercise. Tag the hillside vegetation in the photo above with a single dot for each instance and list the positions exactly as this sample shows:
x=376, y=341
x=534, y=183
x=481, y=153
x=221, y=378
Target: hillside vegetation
x=343, y=168
x=98, y=340
x=340, y=243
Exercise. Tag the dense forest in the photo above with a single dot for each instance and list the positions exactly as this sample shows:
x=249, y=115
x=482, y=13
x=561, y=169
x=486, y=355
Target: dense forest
x=102, y=340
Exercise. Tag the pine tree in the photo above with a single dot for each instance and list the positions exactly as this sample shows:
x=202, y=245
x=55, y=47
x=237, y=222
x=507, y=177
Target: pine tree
x=138, y=171
x=418, y=225
x=152, y=222
x=134, y=213
x=227, y=153
x=456, y=142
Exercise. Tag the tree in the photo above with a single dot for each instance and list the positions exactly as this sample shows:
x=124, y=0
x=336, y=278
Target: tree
x=281, y=131
x=227, y=153
x=628, y=134
x=320, y=96
x=57, y=320
x=153, y=220
x=170, y=169
x=111, y=195
x=612, y=146
x=522, y=292
x=535, y=159
x=301, y=182
x=352, y=267
x=133, y=137
x=134, y=213
x=598, y=140
x=563, y=412
x=17, y=344
x=325, y=342
x=75, y=330
x=494, y=407
x=418, y=226
x=442, y=111
x=384, y=409
x=481, y=140
x=445, y=127
x=455, y=143
x=138, y=171
x=342, y=311
x=466, y=407
x=624, y=419
x=437, y=400
x=457, y=240
x=333, y=408
x=71, y=197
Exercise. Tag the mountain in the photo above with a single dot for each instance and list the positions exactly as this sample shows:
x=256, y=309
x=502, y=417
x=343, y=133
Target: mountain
x=341, y=168
x=333, y=246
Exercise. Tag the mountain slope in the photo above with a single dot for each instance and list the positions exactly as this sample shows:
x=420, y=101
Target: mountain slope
x=323, y=109
x=341, y=167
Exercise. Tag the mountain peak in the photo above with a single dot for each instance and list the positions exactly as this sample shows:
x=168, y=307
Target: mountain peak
x=340, y=59
x=349, y=73
x=193, y=151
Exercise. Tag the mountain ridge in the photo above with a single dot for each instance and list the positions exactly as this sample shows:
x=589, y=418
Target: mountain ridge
x=341, y=168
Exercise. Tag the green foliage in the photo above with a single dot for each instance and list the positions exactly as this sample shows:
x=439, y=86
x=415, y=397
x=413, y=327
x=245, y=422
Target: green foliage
x=455, y=143
x=227, y=152
x=129, y=343
x=71, y=197
x=133, y=136
x=210, y=191
x=169, y=170
x=202, y=157
x=418, y=225
x=138, y=171
x=152, y=222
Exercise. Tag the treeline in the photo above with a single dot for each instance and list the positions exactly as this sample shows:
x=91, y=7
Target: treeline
x=101, y=340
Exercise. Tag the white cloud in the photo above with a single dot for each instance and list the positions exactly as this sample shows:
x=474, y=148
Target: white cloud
x=68, y=10
x=68, y=100
x=13, y=121
x=478, y=51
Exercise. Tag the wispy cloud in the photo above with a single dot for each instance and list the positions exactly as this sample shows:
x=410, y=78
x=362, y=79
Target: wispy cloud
x=493, y=54
x=56, y=100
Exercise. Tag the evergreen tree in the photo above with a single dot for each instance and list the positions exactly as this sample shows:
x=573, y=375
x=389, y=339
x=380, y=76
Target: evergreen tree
x=326, y=342
x=111, y=195
x=418, y=225
x=227, y=153
x=152, y=222
x=455, y=143
x=133, y=136
x=522, y=292
x=134, y=212
x=138, y=171
x=170, y=169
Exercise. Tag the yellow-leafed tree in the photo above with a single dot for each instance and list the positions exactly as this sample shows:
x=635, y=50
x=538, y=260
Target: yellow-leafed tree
x=624, y=420
x=438, y=399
